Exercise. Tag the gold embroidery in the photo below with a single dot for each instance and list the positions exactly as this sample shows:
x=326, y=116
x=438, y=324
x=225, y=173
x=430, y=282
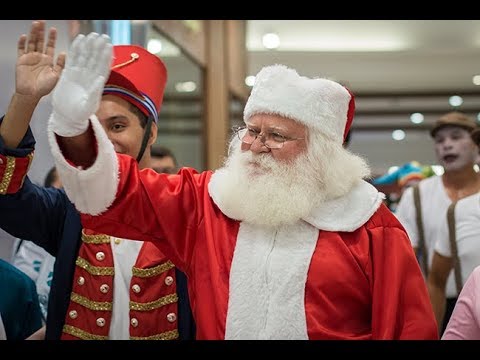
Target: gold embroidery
x=89, y=304
x=94, y=270
x=95, y=239
x=167, y=335
x=7, y=176
x=72, y=330
x=165, y=300
x=152, y=271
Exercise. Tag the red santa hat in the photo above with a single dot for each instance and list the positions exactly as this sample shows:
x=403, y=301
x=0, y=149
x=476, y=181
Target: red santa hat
x=138, y=77
x=318, y=103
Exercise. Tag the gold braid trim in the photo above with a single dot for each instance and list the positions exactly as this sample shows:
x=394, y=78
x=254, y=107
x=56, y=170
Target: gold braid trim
x=165, y=300
x=7, y=176
x=95, y=239
x=152, y=271
x=89, y=304
x=167, y=335
x=94, y=270
x=72, y=330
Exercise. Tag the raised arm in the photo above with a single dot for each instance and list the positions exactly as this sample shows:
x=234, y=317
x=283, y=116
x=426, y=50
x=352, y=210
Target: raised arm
x=29, y=211
x=36, y=74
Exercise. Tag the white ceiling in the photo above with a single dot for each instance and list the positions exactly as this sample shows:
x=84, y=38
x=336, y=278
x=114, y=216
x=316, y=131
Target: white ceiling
x=416, y=66
x=419, y=55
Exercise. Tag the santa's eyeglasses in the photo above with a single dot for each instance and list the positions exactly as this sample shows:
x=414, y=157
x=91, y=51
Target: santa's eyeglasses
x=271, y=140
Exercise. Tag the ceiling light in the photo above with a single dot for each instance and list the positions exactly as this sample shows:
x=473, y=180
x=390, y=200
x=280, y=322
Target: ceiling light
x=417, y=118
x=250, y=80
x=154, y=46
x=187, y=86
x=398, y=135
x=476, y=79
x=271, y=40
x=455, y=100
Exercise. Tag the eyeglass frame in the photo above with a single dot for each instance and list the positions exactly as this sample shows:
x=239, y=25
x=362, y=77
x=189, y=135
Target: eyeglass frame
x=262, y=136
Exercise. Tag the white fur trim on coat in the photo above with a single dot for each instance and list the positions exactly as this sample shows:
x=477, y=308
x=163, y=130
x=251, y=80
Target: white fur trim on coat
x=267, y=297
x=92, y=190
x=348, y=212
x=319, y=103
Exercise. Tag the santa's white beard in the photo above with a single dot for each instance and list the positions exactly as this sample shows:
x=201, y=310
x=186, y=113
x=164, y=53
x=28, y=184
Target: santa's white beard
x=257, y=189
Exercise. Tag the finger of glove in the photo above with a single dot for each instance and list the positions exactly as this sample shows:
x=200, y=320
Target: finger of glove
x=86, y=51
x=101, y=56
x=104, y=63
x=73, y=51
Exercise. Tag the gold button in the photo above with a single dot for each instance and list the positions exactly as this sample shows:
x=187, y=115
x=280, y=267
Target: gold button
x=100, y=256
x=168, y=280
x=134, y=55
x=101, y=322
x=104, y=288
x=73, y=314
x=117, y=241
x=81, y=280
x=171, y=317
x=136, y=288
x=134, y=322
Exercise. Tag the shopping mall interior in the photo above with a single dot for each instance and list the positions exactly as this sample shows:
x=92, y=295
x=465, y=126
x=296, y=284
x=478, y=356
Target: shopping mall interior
x=404, y=74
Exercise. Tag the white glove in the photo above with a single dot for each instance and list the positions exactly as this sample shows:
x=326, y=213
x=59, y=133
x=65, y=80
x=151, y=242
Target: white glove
x=79, y=90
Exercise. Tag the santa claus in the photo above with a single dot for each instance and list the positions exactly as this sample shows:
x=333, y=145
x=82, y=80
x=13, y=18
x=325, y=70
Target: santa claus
x=285, y=241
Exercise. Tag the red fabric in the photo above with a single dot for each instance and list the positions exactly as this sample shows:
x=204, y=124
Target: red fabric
x=375, y=291
x=13, y=171
x=150, y=322
x=145, y=76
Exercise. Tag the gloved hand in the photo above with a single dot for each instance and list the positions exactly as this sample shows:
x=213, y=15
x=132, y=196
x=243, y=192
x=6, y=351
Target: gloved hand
x=79, y=91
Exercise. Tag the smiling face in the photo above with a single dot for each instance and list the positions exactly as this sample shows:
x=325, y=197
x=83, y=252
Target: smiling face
x=124, y=128
x=454, y=148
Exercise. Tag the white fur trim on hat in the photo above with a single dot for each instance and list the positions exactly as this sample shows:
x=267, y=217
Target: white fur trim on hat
x=318, y=103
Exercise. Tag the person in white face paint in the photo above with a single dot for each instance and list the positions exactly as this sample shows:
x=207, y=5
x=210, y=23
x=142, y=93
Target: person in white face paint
x=456, y=152
x=285, y=241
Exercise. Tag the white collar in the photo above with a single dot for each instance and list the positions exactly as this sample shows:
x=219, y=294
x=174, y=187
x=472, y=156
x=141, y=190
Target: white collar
x=346, y=213
x=349, y=212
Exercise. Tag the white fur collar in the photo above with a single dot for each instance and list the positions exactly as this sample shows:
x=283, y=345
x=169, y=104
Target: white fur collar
x=346, y=213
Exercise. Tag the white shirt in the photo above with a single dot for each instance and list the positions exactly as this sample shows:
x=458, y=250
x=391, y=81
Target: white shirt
x=125, y=255
x=434, y=202
x=467, y=229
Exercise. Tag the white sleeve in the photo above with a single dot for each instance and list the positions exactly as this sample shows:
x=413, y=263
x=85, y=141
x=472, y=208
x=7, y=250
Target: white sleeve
x=406, y=214
x=92, y=190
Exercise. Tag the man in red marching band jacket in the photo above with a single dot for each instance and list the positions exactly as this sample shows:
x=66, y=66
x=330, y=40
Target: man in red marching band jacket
x=285, y=241
x=104, y=287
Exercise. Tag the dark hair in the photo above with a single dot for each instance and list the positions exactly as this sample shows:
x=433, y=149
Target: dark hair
x=50, y=177
x=162, y=151
x=141, y=116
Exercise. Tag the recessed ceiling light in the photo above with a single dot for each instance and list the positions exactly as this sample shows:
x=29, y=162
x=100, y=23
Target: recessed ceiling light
x=250, y=80
x=398, y=134
x=417, y=118
x=154, y=46
x=271, y=41
x=455, y=100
